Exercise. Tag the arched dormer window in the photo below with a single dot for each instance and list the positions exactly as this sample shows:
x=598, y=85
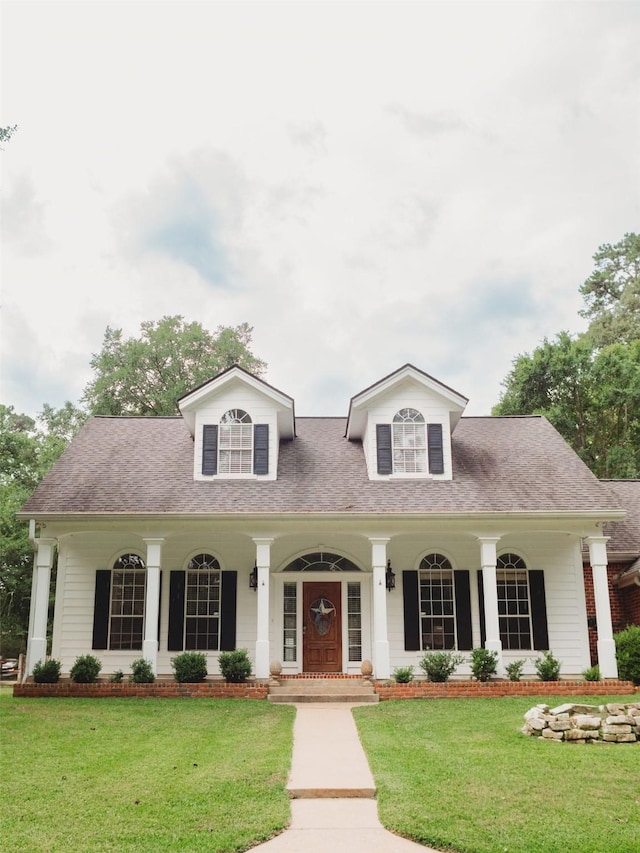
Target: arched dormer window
x=235, y=445
x=409, y=445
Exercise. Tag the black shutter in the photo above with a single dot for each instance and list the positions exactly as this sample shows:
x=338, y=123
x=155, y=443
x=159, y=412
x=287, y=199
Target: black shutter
x=538, y=610
x=228, y=600
x=261, y=449
x=210, y=449
x=483, y=627
x=436, y=453
x=175, y=638
x=383, y=443
x=411, y=613
x=101, y=609
x=463, y=610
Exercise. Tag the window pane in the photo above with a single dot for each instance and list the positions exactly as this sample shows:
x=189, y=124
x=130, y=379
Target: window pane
x=354, y=621
x=513, y=602
x=202, y=604
x=289, y=635
x=127, y=604
x=437, y=603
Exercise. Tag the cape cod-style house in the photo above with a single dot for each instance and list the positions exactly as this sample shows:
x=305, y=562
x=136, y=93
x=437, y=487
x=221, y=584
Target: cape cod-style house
x=320, y=542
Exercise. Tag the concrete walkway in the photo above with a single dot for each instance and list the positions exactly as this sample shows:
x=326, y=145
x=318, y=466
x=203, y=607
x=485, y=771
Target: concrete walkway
x=332, y=789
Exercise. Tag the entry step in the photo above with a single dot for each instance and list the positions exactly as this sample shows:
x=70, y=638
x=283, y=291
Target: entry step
x=299, y=690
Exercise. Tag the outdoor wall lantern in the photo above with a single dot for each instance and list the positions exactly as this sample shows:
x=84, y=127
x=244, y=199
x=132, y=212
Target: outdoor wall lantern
x=390, y=577
x=253, y=578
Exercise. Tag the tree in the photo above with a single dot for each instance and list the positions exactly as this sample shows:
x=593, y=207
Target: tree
x=26, y=454
x=7, y=132
x=589, y=386
x=148, y=374
x=612, y=293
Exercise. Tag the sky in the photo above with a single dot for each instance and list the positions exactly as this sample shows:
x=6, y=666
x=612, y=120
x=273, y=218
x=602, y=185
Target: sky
x=365, y=183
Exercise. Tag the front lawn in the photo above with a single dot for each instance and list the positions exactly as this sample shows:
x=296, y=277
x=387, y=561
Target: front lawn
x=143, y=775
x=458, y=775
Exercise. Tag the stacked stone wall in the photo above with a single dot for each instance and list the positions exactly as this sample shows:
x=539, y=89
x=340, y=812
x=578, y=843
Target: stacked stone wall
x=612, y=723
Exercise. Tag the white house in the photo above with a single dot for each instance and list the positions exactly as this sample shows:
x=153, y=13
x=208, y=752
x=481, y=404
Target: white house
x=320, y=542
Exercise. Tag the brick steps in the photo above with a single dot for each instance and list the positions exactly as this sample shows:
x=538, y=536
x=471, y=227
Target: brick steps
x=301, y=690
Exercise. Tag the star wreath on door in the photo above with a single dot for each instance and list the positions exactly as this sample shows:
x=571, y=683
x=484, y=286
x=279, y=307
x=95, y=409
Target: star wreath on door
x=322, y=611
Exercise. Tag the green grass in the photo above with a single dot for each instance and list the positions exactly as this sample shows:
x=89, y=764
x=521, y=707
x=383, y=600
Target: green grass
x=458, y=775
x=156, y=776
x=142, y=774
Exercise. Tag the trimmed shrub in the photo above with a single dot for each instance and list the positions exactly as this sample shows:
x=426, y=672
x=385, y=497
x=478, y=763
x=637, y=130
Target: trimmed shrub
x=628, y=653
x=117, y=677
x=484, y=664
x=235, y=666
x=47, y=671
x=439, y=666
x=514, y=669
x=86, y=669
x=592, y=673
x=548, y=667
x=189, y=667
x=403, y=674
x=142, y=671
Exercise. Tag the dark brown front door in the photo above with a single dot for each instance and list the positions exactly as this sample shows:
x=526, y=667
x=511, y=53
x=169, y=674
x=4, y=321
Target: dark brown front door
x=322, y=627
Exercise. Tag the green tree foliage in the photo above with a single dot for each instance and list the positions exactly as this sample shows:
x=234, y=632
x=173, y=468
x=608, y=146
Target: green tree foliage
x=148, y=374
x=612, y=293
x=7, y=132
x=26, y=454
x=589, y=386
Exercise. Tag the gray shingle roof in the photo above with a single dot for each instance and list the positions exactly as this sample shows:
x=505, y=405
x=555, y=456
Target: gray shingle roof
x=625, y=535
x=145, y=465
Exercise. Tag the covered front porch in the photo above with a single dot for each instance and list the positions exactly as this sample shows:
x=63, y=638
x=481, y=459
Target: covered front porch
x=315, y=608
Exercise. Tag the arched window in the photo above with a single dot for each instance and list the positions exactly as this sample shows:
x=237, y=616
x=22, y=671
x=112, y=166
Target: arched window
x=321, y=561
x=235, y=444
x=437, y=603
x=202, y=603
x=514, y=602
x=409, y=445
x=126, y=614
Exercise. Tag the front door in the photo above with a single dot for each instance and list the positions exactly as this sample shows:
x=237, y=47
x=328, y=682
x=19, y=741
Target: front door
x=322, y=627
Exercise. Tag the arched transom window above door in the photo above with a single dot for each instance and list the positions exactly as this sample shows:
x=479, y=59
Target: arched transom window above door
x=321, y=561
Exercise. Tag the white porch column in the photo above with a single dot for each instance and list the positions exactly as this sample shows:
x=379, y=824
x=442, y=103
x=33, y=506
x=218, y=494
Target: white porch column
x=263, y=562
x=152, y=602
x=488, y=561
x=606, y=644
x=381, y=662
x=43, y=561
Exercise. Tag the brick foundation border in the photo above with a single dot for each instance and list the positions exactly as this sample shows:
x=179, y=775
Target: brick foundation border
x=157, y=690
x=495, y=689
x=259, y=689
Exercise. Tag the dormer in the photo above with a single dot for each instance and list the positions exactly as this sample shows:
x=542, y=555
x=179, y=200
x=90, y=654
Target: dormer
x=237, y=422
x=405, y=422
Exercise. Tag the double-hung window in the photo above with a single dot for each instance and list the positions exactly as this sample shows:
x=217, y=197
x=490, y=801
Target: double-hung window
x=437, y=603
x=126, y=616
x=235, y=443
x=514, y=602
x=202, y=603
x=409, y=445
